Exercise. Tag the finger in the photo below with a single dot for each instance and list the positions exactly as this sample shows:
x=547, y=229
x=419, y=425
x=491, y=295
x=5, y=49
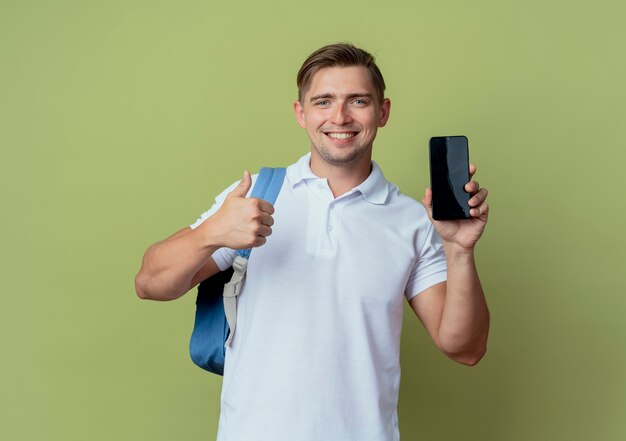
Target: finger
x=472, y=187
x=258, y=241
x=263, y=230
x=266, y=219
x=478, y=198
x=266, y=207
x=241, y=190
x=261, y=236
x=481, y=210
x=472, y=170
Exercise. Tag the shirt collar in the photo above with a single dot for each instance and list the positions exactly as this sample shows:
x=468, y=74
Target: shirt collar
x=374, y=189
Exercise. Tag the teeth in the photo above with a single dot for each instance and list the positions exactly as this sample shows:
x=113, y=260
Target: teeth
x=341, y=135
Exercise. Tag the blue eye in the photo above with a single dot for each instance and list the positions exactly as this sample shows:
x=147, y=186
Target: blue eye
x=322, y=103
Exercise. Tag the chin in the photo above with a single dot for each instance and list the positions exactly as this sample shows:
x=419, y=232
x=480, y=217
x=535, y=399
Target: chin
x=345, y=158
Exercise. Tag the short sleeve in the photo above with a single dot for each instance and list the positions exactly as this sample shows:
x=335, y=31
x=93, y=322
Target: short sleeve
x=430, y=266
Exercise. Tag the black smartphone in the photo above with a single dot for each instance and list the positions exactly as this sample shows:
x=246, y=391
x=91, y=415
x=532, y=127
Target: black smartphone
x=449, y=172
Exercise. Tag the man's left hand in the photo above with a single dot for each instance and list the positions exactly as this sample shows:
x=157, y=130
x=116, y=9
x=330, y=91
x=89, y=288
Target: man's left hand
x=465, y=232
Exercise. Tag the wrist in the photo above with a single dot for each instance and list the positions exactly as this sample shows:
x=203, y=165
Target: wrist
x=456, y=252
x=207, y=236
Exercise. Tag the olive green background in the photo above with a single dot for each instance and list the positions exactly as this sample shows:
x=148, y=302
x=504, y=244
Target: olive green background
x=121, y=120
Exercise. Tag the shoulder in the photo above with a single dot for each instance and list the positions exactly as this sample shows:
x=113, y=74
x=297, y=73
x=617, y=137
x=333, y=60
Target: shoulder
x=404, y=205
x=380, y=190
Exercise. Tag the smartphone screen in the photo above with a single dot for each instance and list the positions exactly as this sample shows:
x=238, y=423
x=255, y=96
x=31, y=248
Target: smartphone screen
x=449, y=172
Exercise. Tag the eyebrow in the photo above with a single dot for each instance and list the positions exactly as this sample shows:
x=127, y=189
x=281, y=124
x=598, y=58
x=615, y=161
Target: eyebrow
x=330, y=95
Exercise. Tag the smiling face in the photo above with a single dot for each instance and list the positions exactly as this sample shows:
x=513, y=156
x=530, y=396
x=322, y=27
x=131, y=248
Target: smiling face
x=341, y=114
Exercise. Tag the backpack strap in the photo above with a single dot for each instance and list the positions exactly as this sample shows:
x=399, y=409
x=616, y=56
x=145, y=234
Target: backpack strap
x=267, y=187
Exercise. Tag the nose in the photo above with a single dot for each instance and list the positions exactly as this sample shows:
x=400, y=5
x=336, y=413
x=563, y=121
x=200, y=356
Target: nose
x=341, y=115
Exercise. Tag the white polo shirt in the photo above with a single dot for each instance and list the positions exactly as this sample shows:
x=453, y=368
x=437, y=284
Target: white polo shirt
x=316, y=351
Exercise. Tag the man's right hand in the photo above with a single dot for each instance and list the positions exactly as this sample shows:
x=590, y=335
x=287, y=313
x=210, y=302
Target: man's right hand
x=240, y=222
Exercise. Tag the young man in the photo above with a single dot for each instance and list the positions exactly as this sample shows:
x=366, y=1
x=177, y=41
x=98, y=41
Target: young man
x=315, y=355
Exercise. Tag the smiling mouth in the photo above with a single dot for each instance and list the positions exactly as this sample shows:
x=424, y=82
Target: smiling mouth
x=341, y=135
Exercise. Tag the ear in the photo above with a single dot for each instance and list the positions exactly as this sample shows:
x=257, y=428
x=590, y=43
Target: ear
x=385, y=108
x=298, y=110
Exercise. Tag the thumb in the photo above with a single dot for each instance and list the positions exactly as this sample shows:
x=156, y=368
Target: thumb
x=427, y=201
x=241, y=190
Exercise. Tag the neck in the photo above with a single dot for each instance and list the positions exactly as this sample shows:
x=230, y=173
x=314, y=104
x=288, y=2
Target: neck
x=342, y=178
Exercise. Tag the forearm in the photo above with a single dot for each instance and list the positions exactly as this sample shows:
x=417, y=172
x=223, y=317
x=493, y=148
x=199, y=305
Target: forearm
x=464, y=322
x=168, y=267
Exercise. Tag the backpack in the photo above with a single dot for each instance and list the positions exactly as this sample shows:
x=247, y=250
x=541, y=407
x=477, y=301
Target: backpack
x=216, y=304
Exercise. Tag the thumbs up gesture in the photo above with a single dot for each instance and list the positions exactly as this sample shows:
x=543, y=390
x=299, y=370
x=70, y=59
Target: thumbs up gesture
x=240, y=222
